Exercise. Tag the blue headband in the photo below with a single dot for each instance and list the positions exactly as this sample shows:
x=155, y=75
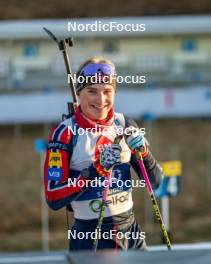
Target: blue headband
x=94, y=73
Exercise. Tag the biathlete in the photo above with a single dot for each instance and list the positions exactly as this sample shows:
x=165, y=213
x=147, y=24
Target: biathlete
x=70, y=153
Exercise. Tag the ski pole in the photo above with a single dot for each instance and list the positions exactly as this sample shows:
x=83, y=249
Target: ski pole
x=103, y=205
x=153, y=199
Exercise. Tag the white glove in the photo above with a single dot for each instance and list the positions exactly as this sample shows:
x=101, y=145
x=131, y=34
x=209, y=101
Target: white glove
x=135, y=138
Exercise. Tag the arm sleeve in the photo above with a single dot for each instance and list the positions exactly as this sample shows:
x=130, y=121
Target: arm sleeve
x=153, y=169
x=58, y=191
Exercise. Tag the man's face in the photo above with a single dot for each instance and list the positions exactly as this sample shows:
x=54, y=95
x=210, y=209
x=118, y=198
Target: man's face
x=96, y=100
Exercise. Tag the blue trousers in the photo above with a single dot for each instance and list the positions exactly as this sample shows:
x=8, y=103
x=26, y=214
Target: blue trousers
x=120, y=232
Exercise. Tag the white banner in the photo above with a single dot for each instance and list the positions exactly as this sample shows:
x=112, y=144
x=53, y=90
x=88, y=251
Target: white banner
x=160, y=103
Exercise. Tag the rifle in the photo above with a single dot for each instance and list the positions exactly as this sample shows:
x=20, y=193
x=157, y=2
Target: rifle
x=63, y=46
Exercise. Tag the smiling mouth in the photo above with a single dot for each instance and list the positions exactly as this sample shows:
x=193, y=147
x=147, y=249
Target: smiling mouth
x=98, y=107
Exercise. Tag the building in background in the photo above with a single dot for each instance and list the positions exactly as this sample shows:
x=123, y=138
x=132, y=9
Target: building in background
x=170, y=52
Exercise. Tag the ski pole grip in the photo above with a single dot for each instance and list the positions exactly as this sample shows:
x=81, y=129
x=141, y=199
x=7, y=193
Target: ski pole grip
x=138, y=150
x=117, y=139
